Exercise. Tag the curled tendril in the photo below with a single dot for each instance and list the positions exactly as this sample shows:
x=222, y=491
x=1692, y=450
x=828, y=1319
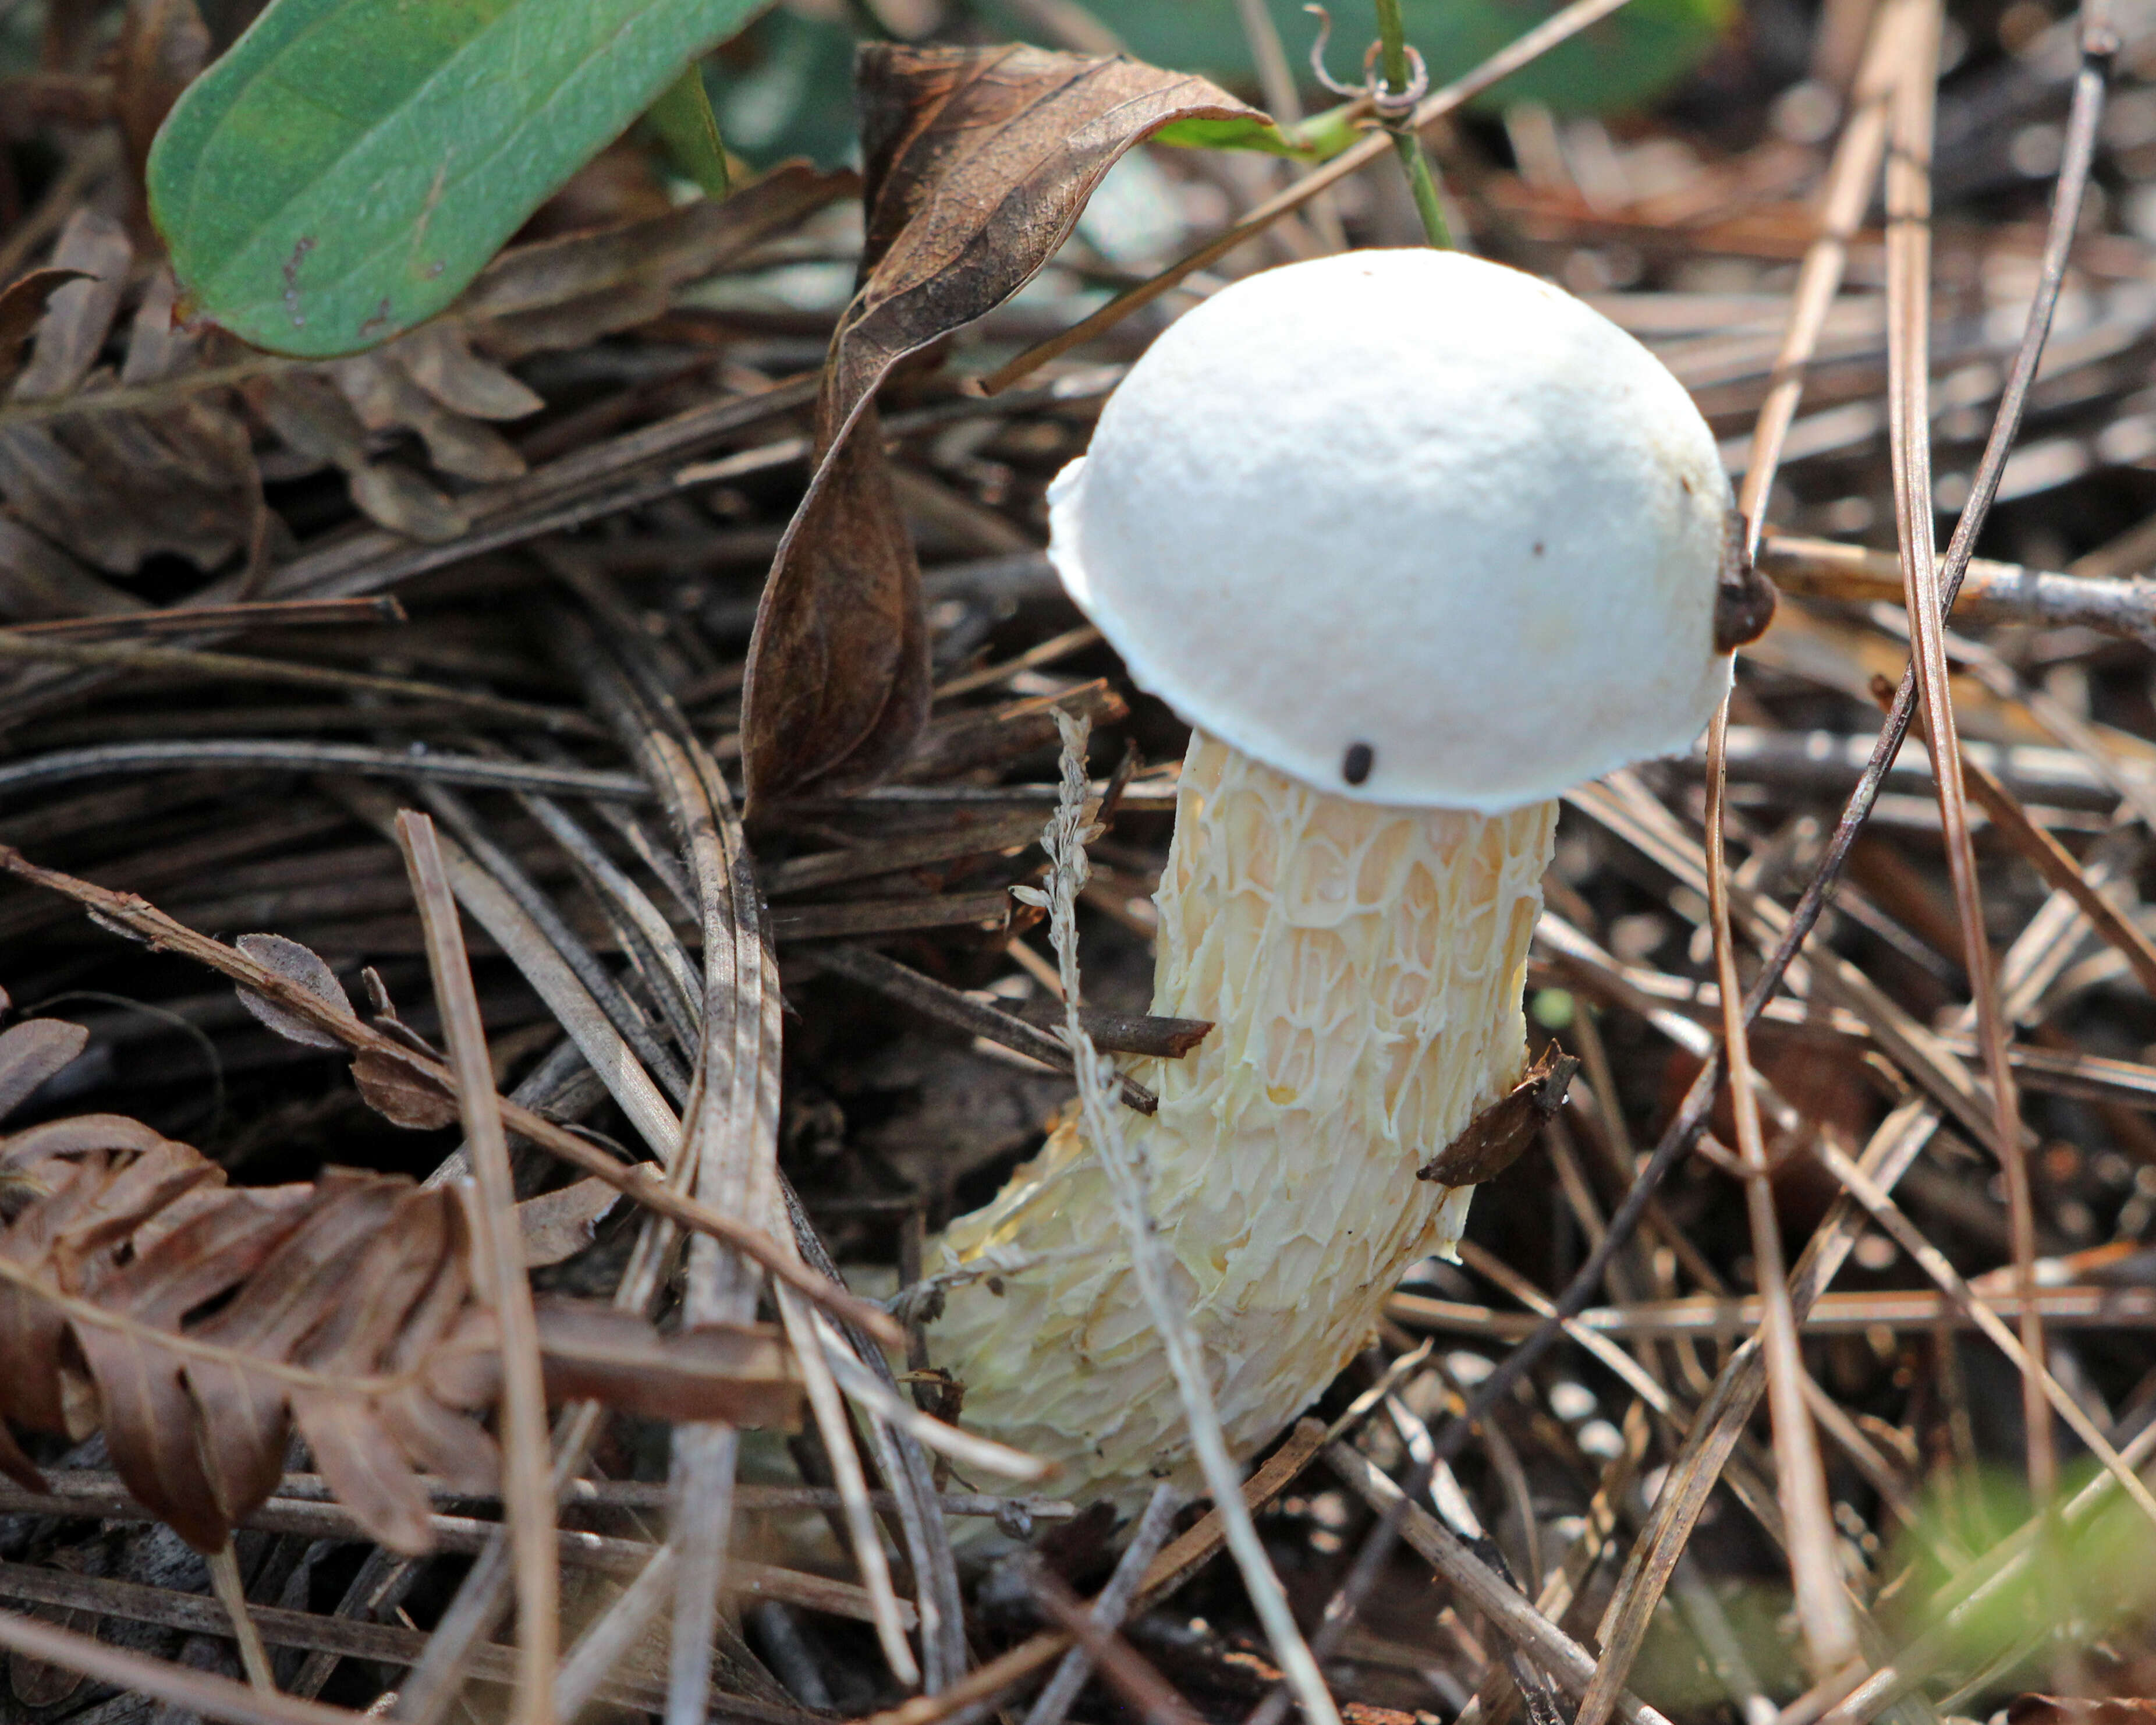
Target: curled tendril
x=1398, y=104
x=1391, y=105
x=1317, y=55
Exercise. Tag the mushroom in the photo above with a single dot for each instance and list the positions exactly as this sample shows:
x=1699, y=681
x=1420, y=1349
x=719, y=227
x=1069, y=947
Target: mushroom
x=1414, y=543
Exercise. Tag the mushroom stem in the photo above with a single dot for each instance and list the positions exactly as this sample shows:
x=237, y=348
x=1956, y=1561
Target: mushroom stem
x=1364, y=965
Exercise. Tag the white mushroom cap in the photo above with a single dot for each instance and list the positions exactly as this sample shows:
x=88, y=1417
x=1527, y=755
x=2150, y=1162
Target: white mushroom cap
x=1410, y=527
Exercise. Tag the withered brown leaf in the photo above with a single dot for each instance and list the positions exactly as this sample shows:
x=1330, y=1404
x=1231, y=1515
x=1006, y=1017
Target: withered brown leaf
x=198, y=1324
x=978, y=162
x=1494, y=1139
x=33, y=1051
x=302, y=965
x=738, y=1372
x=21, y=307
x=400, y=1098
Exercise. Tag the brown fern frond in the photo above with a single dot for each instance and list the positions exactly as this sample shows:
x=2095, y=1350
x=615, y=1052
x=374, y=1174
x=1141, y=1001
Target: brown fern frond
x=200, y=1323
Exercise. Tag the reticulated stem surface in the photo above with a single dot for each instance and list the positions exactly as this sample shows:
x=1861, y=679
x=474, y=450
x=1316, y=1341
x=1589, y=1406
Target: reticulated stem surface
x=1363, y=966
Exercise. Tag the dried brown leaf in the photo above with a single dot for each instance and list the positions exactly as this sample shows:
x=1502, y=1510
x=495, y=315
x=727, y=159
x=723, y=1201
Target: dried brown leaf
x=559, y=1225
x=393, y=1093
x=1494, y=1139
x=978, y=163
x=305, y=967
x=741, y=1374
x=308, y=411
x=438, y=356
x=31, y=1052
x=386, y=398
x=588, y=269
x=117, y=487
x=78, y=315
x=38, y=581
x=837, y=681
x=199, y=1324
x=22, y=305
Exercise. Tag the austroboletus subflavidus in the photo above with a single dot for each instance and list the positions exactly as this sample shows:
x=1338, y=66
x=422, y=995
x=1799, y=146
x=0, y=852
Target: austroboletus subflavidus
x=1414, y=543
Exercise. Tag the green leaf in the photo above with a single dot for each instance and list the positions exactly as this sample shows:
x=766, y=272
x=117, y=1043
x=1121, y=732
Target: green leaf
x=1319, y=138
x=683, y=119
x=1260, y=134
x=342, y=173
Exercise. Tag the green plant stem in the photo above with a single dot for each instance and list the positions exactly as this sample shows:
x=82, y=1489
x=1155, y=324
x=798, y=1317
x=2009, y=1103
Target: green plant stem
x=1393, y=67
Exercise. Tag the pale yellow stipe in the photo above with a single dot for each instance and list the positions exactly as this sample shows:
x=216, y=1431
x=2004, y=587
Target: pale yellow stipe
x=1364, y=966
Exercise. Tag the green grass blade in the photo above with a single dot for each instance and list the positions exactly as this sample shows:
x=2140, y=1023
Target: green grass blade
x=683, y=119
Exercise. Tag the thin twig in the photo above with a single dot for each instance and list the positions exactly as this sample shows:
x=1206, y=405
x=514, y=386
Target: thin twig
x=526, y=1499
x=191, y=619
x=1129, y=1178
x=1140, y=1684
x=231, y=1591
x=224, y=668
x=1154, y=1525
x=1563, y=1658
x=1908, y=325
x=1800, y=1479
x=65, y=765
x=203, y=1692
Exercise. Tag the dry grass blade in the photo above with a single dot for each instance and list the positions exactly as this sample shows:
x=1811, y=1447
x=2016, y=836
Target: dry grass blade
x=979, y=1689
x=853, y=1486
x=1542, y=1640
x=1154, y=1522
x=234, y=668
x=1850, y=181
x=728, y=1145
x=2055, y=863
x=1707, y=1318
x=497, y=911
x=652, y=726
x=1908, y=297
x=231, y=1594
x=241, y=754
x=1800, y=1480
x=525, y=1495
x=189, y=619
x=203, y=1692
